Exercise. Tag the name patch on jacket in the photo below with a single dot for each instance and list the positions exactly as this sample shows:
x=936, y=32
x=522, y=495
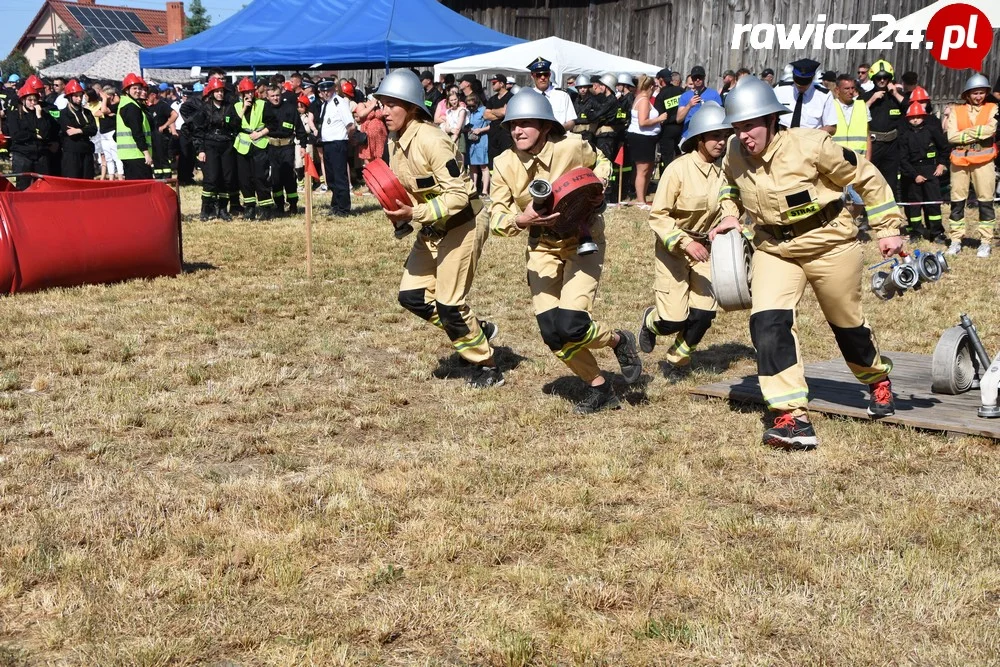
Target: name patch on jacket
x=453, y=168
x=800, y=204
x=425, y=182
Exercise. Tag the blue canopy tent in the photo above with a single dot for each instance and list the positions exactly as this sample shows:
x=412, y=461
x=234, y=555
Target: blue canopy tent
x=343, y=33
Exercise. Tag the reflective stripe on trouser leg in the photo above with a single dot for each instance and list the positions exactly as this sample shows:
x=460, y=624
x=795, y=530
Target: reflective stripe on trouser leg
x=444, y=269
x=959, y=193
x=563, y=286
x=774, y=334
x=835, y=278
x=985, y=182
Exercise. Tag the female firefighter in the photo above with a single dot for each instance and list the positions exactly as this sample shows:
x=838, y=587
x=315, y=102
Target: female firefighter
x=685, y=208
x=562, y=282
x=250, y=146
x=439, y=271
x=791, y=183
x=30, y=129
x=213, y=144
x=970, y=128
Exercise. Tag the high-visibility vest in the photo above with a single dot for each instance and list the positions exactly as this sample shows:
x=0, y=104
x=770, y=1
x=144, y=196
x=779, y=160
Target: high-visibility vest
x=854, y=135
x=127, y=150
x=252, y=124
x=983, y=152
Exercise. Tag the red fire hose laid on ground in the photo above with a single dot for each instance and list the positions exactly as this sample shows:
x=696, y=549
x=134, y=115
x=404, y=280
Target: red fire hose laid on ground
x=63, y=232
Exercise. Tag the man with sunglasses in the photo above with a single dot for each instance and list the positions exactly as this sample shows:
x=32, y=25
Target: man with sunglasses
x=562, y=104
x=865, y=85
x=691, y=101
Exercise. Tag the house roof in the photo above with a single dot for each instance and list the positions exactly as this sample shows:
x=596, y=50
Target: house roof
x=104, y=31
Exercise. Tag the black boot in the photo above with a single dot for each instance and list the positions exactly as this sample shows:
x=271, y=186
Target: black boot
x=293, y=207
x=220, y=210
x=250, y=212
x=234, y=204
x=279, y=207
x=207, y=209
x=265, y=213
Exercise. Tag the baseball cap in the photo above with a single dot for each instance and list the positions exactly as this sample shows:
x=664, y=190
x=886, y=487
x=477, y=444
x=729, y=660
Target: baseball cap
x=164, y=86
x=427, y=74
x=499, y=77
x=664, y=74
x=13, y=78
x=697, y=72
x=469, y=78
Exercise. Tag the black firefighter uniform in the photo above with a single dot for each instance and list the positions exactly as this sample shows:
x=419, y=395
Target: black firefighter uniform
x=970, y=130
x=563, y=284
x=439, y=271
x=686, y=206
x=793, y=194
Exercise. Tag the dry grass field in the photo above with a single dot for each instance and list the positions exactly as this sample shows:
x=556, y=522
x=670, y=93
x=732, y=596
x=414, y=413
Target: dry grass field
x=240, y=466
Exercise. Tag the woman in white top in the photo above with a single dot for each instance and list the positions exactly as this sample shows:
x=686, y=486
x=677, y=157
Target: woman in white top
x=643, y=135
x=454, y=121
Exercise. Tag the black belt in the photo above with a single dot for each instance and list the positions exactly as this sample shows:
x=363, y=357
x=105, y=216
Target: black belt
x=820, y=218
x=884, y=137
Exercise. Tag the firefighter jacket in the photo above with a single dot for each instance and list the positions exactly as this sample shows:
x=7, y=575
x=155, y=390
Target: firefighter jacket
x=29, y=134
x=212, y=126
x=80, y=118
x=686, y=205
x=799, y=175
x=284, y=122
x=425, y=160
x=922, y=148
x=515, y=169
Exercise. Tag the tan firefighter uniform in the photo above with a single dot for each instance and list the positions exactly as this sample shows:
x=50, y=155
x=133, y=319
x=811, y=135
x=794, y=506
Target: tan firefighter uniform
x=793, y=194
x=438, y=273
x=686, y=206
x=970, y=129
x=563, y=284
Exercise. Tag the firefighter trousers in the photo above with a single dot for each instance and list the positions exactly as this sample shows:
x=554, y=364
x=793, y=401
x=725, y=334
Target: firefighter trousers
x=24, y=164
x=885, y=157
x=436, y=281
x=78, y=165
x=563, y=286
x=983, y=179
x=283, y=182
x=252, y=170
x=778, y=285
x=217, y=170
x=924, y=219
x=685, y=304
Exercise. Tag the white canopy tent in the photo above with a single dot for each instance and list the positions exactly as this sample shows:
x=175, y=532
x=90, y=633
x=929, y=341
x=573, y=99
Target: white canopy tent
x=113, y=62
x=566, y=57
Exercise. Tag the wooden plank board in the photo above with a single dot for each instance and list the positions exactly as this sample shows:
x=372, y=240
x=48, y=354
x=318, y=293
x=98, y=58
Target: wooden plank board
x=834, y=390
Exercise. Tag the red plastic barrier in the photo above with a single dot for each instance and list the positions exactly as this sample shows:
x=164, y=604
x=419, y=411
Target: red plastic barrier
x=63, y=232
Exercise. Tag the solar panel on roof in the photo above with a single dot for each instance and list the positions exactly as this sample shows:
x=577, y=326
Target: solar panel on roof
x=107, y=26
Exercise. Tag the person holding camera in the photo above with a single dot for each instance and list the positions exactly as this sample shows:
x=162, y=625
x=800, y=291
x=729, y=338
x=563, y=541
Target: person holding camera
x=441, y=266
x=563, y=283
x=791, y=184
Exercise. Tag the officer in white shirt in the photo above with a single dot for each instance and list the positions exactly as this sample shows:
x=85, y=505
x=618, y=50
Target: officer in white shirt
x=335, y=124
x=562, y=104
x=810, y=106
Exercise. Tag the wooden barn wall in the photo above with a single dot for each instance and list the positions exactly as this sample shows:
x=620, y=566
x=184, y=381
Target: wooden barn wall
x=682, y=33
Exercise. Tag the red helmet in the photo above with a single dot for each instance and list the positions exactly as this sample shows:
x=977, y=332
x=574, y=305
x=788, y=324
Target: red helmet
x=245, y=86
x=34, y=83
x=26, y=90
x=916, y=109
x=72, y=88
x=347, y=88
x=919, y=95
x=302, y=99
x=213, y=85
x=287, y=86
x=132, y=79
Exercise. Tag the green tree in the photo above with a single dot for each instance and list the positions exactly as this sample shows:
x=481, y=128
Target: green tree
x=198, y=20
x=69, y=46
x=16, y=63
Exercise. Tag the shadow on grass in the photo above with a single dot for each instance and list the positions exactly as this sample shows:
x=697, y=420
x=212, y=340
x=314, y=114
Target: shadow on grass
x=720, y=357
x=573, y=389
x=454, y=366
x=194, y=267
